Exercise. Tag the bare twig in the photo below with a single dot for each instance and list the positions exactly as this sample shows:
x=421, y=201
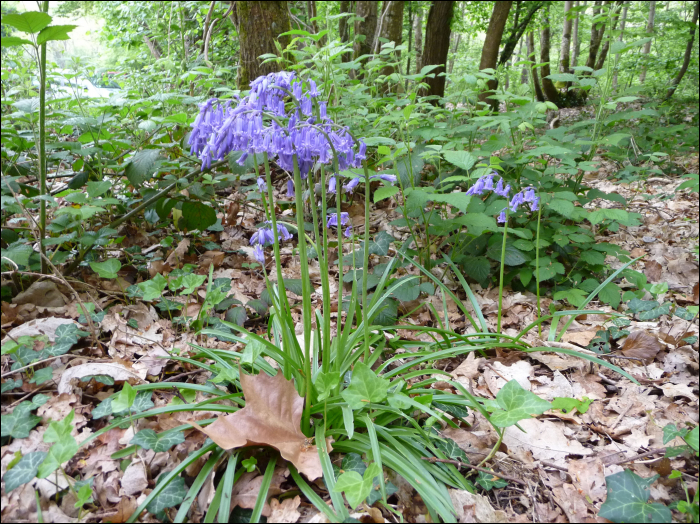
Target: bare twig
x=458, y=463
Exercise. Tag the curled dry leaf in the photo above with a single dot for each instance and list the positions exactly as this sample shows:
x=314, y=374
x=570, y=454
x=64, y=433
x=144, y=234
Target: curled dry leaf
x=642, y=345
x=246, y=491
x=116, y=371
x=177, y=256
x=271, y=417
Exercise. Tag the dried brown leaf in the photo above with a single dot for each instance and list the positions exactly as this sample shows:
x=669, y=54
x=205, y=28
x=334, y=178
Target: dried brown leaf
x=285, y=511
x=653, y=270
x=177, y=257
x=271, y=417
x=246, y=490
x=589, y=478
x=642, y=345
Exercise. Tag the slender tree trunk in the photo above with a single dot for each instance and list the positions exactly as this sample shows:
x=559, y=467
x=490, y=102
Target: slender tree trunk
x=410, y=39
x=344, y=28
x=550, y=91
x=606, y=45
x=489, y=52
x=623, y=20
x=418, y=37
x=686, y=57
x=523, y=76
x=456, y=37
x=391, y=28
x=437, y=44
x=597, y=30
x=564, y=55
x=311, y=8
x=519, y=27
x=531, y=57
x=365, y=28
x=647, y=46
x=577, y=37
x=259, y=26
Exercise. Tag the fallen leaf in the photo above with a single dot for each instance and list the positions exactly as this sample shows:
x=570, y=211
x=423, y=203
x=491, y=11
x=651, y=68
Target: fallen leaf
x=42, y=293
x=642, y=345
x=572, y=502
x=124, y=509
x=285, y=511
x=177, y=256
x=580, y=338
x=472, y=507
x=116, y=371
x=271, y=417
x=497, y=374
x=653, y=270
x=678, y=390
x=134, y=480
x=589, y=478
x=545, y=440
x=39, y=326
x=246, y=490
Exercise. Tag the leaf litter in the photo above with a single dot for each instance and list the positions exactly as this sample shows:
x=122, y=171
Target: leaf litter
x=567, y=459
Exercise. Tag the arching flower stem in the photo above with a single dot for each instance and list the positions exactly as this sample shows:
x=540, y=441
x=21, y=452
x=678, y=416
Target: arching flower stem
x=503, y=263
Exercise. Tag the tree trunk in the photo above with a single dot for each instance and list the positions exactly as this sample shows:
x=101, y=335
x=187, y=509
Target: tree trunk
x=365, y=28
x=344, y=28
x=259, y=27
x=647, y=46
x=550, y=91
x=686, y=58
x=518, y=30
x=597, y=30
x=623, y=20
x=606, y=45
x=453, y=52
x=311, y=8
x=152, y=47
x=564, y=55
x=437, y=44
x=521, y=57
x=390, y=24
x=489, y=52
x=531, y=57
x=418, y=39
x=577, y=38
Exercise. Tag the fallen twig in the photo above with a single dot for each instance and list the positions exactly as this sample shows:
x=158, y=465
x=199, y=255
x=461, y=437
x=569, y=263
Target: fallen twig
x=458, y=463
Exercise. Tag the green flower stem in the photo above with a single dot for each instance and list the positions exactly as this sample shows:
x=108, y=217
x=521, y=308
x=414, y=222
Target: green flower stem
x=495, y=448
x=537, y=268
x=503, y=263
x=365, y=264
x=42, y=147
x=282, y=301
x=325, y=281
x=306, y=296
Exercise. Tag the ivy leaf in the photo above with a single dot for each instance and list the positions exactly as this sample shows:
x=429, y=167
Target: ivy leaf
x=125, y=399
x=488, y=481
x=153, y=289
x=173, y=494
x=517, y=404
x=692, y=438
x=107, y=269
x=24, y=471
x=628, y=500
x=42, y=375
x=671, y=432
x=324, y=384
x=64, y=448
x=19, y=423
x=365, y=387
x=357, y=488
x=149, y=439
x=192, y=282
x=451, y=450
x=253, y=349
x=353, y=462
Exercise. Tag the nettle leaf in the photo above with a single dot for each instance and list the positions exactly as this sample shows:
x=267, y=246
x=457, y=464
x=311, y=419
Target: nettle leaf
x=197, y=215
x=517, y=404
x=628, y=500
x=64, y=445
x=357, y=488
x=514, y=257
x=462, y=159
x=10, y=41
x=142, y=166
x=24, y=471
x=31, y=22
x=96, y=189
x=561, y=206
x=54, y=32
x=149, y=439
x=365, y=387
x=20, y=422
x=173, y=494
x=107, y=269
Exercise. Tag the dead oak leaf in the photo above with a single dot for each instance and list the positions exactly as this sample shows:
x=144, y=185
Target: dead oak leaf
x=642, y=345
x=271, y=417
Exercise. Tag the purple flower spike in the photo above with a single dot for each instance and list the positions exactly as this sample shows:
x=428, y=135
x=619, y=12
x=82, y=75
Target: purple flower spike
x=313, y=90
x=290, y=188
x=488, y=182
x=259, y=254
x=477, y=188
x=262, y=186
x=502, y=191
x=535, y=204
x=516, y=201
x=529, y=195
x=502, y=216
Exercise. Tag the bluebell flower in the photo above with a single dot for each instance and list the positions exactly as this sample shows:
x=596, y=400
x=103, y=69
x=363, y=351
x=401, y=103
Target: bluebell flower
x=333, y=219
x=313, y=90
x=259, y=254
x=290, y=188
x=502, y=216
x=477, y=188
x=332, y=185
x=262, y=186
x=385, y=177
x=488, y=182
x=348, y=232
x=350, y=186
x=502, y=191
x=264, y=235
x=516, y=201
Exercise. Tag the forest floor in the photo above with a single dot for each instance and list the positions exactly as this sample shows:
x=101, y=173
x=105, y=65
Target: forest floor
x=556, y=469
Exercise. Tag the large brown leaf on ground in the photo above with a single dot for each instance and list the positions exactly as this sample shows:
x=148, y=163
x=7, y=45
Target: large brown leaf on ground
x=271, y=417
x=642, y=345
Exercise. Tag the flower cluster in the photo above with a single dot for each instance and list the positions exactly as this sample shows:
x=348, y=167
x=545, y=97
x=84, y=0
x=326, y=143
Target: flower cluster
x=355, y=181
x=264, y=236
x=221, y=128
x=485, y=183
x=332, y=221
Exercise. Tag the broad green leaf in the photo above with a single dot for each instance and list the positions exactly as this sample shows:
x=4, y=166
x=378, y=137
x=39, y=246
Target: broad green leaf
x=191, y=282
x=566, y=404
x=325, y=383
x=253, y=349
x=610, y=294
x=692, y=439
x=357, y=488
x=107, y=269
x=488, y=481
x=20, y=422
x=197, y=215
x=96, y=189
x=561, y=206
x=19, y=254
x=385, y=192
x=64, y=445
x=9, y=41
x=149, y=439
x=125, y=399
x=54, y=32
x=31, y=22
x=575, y=297
x=142, y=166
x=173, y=494
x=514, y=257
x=517, y=404
x=24, y=471
x=628, y=500
x=462, y=159
x=365, y=387
x=477, y=223
x=153, y=289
